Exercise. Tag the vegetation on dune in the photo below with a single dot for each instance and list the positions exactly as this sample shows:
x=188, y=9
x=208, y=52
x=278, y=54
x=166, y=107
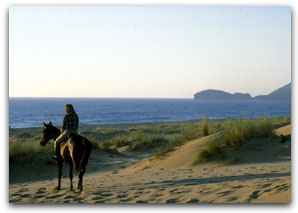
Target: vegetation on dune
x=205, y=126
x=236, y=133
x=106, y=146
x=24, y=150
x=157, y=138
x=239, y=131
x=212, y=152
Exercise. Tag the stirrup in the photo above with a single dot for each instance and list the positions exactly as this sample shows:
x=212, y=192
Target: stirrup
x=55, y=158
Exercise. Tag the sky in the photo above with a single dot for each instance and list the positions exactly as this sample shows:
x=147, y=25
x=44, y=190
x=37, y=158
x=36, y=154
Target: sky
x=147, y=51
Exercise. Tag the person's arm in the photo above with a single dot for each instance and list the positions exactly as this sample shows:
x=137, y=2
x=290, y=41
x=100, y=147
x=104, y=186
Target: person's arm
x=64, y=123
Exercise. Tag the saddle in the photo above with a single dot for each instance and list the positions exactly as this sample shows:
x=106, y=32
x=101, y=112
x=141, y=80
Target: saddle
x=73, y=134
x=68, y=137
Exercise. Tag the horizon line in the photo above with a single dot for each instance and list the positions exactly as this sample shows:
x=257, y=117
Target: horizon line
x=102, y=97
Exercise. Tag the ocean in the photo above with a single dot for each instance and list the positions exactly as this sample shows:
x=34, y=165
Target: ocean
x=32, y=112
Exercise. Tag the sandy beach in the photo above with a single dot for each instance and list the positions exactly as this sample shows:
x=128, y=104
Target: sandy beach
x=261, y=175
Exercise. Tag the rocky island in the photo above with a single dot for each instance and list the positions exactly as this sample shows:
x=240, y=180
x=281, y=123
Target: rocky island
x=281, y=94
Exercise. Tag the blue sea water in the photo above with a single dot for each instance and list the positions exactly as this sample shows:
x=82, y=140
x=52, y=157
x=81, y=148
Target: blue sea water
x=32, y=112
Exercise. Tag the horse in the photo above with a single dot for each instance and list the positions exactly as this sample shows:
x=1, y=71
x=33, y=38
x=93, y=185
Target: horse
x=75, y=150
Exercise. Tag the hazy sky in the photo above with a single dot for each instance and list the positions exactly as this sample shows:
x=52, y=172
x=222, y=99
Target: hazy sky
x=147, y=51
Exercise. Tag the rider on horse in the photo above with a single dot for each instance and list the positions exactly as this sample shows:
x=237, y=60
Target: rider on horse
x=69, y=126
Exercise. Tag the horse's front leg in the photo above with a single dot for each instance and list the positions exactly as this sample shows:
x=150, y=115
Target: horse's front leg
x=70, y=174
x=59, y=175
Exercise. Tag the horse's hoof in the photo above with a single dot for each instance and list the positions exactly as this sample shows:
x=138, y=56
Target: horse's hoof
x=54, y=158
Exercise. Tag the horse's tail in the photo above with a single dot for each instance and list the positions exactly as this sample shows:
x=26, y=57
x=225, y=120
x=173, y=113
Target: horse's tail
x=85, y=157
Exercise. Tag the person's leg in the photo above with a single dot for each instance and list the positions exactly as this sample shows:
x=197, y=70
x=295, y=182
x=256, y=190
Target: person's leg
x=57, y=143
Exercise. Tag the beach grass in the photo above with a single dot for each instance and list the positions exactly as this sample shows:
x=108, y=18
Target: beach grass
x=239, y=131
x=24, y=150
x=155, y=138
x=236, y=133
x=212, y=152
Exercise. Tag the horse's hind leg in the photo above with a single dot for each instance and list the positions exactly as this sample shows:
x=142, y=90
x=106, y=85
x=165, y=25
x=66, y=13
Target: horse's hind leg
x=80, y=184
x=59, y=175
x=70, y=174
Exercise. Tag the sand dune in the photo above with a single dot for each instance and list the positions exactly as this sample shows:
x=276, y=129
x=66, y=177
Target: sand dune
x=286, y=130
x=182, y=157
x=263, y=175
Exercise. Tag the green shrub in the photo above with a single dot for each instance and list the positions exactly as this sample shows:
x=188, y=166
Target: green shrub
x=179, y=140
x=15, y=151
x=205, y=126
x=169, y=148
x=231, y=160
x=157, y=140
x=237, y=132
x=149, y=140
x=135, y=146
x=120, y=141
x=160, y=152
x=139, y=135
x=191, y=131
x=106, y=147
x=168, y=128
x=212, y=152
x=265, y=128
x=22, y=151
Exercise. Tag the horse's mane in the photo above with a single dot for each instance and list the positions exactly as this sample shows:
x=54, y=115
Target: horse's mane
x=53, y=128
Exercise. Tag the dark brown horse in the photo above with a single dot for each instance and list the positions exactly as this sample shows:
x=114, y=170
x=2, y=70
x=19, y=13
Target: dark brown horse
x=75, y=151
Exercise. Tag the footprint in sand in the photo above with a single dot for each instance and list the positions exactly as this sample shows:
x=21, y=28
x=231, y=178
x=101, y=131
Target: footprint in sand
x=254, y=195
x=205, y=192
x=23, y=190
x=266, y=185
x=15, y=194
x=121, y=195
x=14, y=200
x=41, y=191
x=141, y=201
x=267, y=190
x=69, y=197
x=25, y=195
x=97, y=198
x=280, y=188
x=78, y=199
x=225, y=193
x=237, y=187
x=54, y=196
x=230, y=199
x=193, y=200
x=125, y=200
x=38, y=196
x=106, y=194
x=173, y=200
x=174, y=191
x=99, y=201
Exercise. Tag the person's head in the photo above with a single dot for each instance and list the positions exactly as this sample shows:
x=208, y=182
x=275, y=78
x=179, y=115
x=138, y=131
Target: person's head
x=69, y=109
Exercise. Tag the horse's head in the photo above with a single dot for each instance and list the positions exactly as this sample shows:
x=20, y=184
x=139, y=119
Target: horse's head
x=46, y=134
